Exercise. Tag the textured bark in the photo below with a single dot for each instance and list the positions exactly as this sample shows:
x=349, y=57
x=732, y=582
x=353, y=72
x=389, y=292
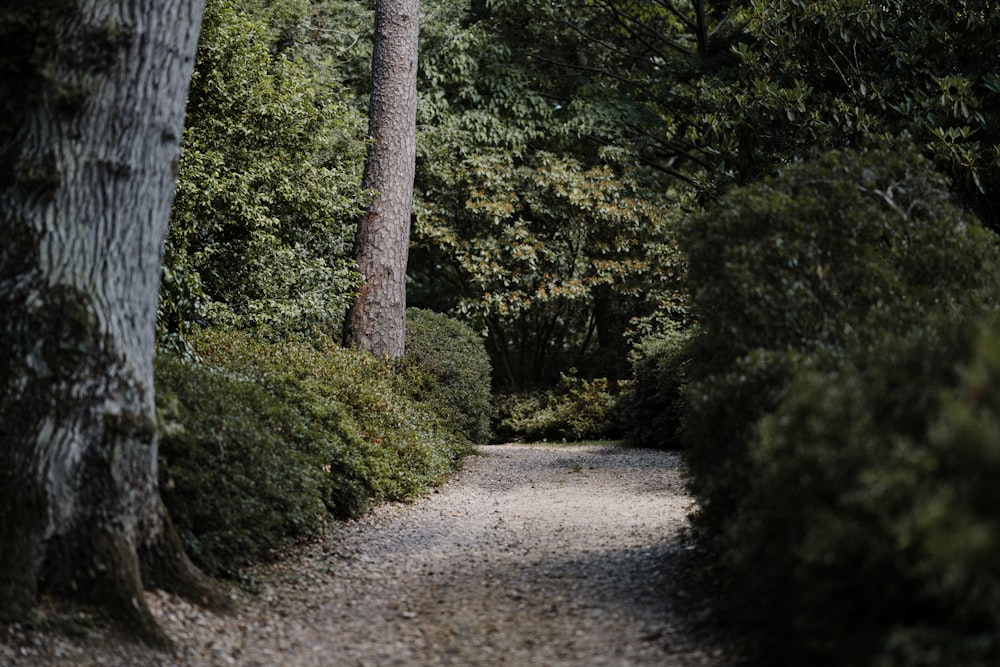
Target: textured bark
x=94, y=95
x=377, y=319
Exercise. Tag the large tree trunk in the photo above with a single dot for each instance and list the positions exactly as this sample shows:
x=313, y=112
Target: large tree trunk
x=94, y=95
x=377, y=320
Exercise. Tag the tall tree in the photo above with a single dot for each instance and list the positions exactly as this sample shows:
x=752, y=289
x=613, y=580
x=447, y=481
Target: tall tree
x=377, y=319
x=93, y=106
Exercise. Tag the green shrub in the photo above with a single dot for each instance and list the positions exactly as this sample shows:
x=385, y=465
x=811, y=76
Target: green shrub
x=234, y=473
x=261, y=435
x=399, y=446
x=792, y=270
x=653, y=409
x=870, y=533
x=456, y=358
x=577, y=409
x=830, y=441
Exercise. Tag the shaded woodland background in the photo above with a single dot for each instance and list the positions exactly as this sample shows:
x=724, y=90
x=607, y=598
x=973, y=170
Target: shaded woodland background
x=762, y=232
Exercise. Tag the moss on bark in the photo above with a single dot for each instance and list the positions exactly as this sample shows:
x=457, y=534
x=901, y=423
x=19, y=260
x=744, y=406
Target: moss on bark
x=78, y=489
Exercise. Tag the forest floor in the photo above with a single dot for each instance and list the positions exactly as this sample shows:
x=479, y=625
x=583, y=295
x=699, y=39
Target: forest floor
x=530, y=555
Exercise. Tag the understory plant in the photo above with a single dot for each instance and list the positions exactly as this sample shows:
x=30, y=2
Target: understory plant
x=870, y=526
x=261, y=441
x=793, y=270
x=454, y=358
x=653, y=407
x=839, y=415
x=576, y=409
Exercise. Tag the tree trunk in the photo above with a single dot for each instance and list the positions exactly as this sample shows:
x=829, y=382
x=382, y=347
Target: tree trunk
x=93, y=95
x=377, y=320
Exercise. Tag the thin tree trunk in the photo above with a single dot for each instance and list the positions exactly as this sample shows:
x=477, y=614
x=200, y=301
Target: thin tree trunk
x=377, y=319
x=94, y=95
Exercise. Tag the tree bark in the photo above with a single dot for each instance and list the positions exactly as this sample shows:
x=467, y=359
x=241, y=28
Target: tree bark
x=377, y=319
x=93, y=95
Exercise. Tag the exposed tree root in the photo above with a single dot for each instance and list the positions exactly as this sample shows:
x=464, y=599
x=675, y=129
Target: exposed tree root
x=167, y=567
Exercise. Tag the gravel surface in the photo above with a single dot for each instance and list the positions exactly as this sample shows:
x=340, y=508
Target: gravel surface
x=531, y=555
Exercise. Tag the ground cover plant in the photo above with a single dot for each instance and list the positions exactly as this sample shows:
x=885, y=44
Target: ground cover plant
x=576, y=409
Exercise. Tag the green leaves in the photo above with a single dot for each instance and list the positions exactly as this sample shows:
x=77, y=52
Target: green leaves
x=455, y=359
x=269, y=184
x=829, y=298
x=262, y=441
x=830, y=253
x=871, y=70
x=535, y=242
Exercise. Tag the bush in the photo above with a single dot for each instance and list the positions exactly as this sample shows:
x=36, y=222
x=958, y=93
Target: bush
x=653, y=409
x=400, y=446
x=456, y=358
x=870, y=533
x=791, y=271
x=268, y=433
x=577, y=409
x=233, y=474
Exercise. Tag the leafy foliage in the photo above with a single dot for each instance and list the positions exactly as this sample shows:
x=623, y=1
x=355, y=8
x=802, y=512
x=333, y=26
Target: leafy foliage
x=653, y=408
x=548, y=256
x=575, y=409
x=523, y=229
x=261, y=436
x=235, y=477
x=793, y=269
x=269, y=183
x=454, y=356
x=401, y=447
x=870, y=526
x=639, y=79
x=843, y=73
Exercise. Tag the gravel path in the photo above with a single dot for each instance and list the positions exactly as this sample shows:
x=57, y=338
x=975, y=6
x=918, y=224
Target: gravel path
x=531, y=555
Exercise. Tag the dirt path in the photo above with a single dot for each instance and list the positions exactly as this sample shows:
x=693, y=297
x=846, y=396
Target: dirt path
x=554, y=556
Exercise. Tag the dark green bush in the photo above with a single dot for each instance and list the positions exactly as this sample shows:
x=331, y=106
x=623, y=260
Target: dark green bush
x=791, y=270
x=870, y=532
x=457, y=360
x=235, y=473
x=260, y=436
x=576, y=409
x=653, y=409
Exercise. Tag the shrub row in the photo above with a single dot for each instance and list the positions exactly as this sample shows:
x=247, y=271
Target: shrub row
x=870, y=528
x=840, y=429
x=797, y=268
x=262, y=441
